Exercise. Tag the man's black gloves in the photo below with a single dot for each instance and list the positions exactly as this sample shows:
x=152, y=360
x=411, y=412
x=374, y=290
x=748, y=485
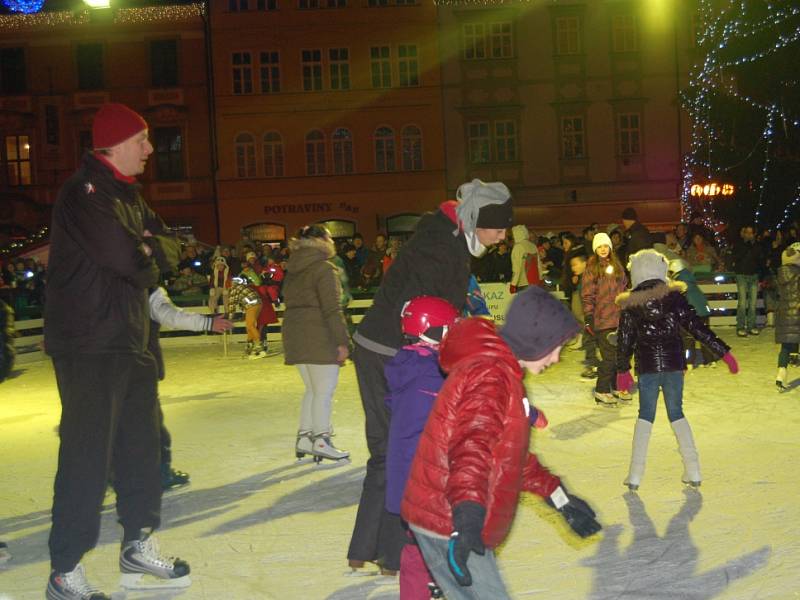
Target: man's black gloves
x=575, y=511
x=468, y=520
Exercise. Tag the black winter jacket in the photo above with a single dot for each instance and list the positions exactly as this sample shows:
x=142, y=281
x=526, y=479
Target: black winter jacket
x=434, y=262
x=787, y=317
x=748, y=258
x=637, y=238
x=98, y=275
x=650, y=328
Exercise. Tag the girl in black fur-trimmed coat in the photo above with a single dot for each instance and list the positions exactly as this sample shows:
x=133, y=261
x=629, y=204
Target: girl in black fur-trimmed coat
x=653, y=314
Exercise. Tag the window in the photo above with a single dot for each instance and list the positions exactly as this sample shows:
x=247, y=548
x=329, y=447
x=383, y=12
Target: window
x=479, y=142
x=406, y=2
x=384, y=150
x=412, y=148
x=572, y=137
x=12, y=71
x=242, y=5
x=315, y=153
x=238, y=5
x=629, y=134
x=339, y=59
x=270, y=67
x=568, y=35
x=374, y=3
x=267, y=4
x=312, y=70
x=408, y=66
x=474, y=41
x=380, y=66
x=501, y=40
x=273, y=154
x=90, y=66
x=168, y=150
x=18, y=159
x=164, y=63
x=245, y=149
x=242, y=73
x=342, y=151
x=624, y=34
x=505, y=141
x=309, y=4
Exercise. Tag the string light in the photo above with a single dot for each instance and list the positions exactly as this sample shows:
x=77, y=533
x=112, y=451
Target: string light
x=789, y=209
x=122, y=16
x=24, y=6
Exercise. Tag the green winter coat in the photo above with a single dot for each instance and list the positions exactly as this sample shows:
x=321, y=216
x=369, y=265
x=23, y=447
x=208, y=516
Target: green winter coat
x=313, y=323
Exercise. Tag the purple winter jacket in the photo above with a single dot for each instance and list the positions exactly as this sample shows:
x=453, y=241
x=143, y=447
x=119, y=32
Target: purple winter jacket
x=413, y=379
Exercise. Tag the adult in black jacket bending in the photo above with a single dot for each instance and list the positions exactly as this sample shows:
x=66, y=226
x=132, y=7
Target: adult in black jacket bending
x=637, y=236
x=434, y=262
x=106, y=247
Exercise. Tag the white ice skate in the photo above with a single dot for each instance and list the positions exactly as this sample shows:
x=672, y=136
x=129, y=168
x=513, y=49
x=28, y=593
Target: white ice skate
x=324, y=449
x=143, y=568
x=304, y=445
x=257, y=351
x=72, y=586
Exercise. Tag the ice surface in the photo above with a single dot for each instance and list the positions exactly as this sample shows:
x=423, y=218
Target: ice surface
x=256, y=525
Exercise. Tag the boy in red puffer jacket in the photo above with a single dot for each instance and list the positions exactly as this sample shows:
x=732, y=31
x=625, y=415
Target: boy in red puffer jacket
x=472, y=460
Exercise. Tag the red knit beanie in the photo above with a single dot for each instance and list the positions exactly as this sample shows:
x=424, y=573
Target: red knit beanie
x=114, y=123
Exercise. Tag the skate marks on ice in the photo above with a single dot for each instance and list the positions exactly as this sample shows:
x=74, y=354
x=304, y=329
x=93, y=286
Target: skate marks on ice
x=377, y=588
x=150, y=595
x=654, y=567
x=589, y=423
x=166, y=400
x=334, y=492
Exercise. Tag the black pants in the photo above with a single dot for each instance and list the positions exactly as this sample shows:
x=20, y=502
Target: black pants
x=689, y=343
x=590, y=349
x=378, y=534
x=786, y=351
x=166, y=440
x=109, y=420
x=606, y=370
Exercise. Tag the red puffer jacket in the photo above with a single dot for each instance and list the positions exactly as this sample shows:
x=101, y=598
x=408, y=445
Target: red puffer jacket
x=475, y=443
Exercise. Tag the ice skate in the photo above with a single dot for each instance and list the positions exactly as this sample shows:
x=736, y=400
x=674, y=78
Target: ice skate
x=362, y=568
x=143, y=568
x=691, y=462
x=72, y=586
x=304, y=445
x=172, y=478
x=589, y=373
x=780, y=380
x=324, y=449
x=257, y=351
x=641, y=439
x=5, y=555
x=605, y=398
x=755, y=331
x=621, y=395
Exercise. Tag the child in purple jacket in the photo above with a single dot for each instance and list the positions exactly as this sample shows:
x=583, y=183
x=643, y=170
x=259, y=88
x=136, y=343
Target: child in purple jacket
x=413, y=379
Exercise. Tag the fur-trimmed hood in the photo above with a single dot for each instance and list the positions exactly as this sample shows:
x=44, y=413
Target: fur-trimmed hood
x=649, y=290
x=307, y=251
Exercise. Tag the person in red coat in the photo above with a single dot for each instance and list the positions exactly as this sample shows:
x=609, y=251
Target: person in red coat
x=472, y=460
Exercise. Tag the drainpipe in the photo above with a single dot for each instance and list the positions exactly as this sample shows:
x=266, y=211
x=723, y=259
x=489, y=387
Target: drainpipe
x=212, y=113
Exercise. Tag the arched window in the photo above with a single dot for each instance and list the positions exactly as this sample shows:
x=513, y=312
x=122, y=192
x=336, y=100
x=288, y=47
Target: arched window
x=273, y=154
x=412, y=148
x=384, y=150
x=245, y=148
x=315, y=153
x=342, y=151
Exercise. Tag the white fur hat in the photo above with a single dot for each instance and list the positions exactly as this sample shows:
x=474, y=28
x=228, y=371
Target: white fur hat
x=601, y=239
x=647, y=264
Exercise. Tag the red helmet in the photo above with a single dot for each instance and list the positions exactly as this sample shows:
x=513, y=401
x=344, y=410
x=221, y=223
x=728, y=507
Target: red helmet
x=423, y=312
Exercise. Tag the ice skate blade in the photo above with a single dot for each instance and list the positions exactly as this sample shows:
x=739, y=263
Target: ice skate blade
x=692, y=484
x=138, y=582
x=330, y=463
x=362, y=572
x=633, y=487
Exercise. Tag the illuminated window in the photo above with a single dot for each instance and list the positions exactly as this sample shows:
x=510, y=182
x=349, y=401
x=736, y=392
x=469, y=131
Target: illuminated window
x=312, y=70
x=273, y=154
x=568, y=35
x=18, y=160
x=572, y=137
x=629, y=134
x=342, y=151
x=408, y=65
x=245, y=150
x=380, y=66
x=315, y=153
x=242, y=64
x=270, y=68
x=624, y=33
x=412, y=148
x=384, y=150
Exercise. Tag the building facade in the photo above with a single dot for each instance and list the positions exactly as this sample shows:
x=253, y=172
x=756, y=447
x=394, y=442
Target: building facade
x=326, y=111
x=59, y=65
x=573, y=104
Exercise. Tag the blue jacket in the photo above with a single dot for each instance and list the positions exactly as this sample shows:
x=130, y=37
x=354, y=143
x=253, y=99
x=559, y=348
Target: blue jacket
x=413, y=379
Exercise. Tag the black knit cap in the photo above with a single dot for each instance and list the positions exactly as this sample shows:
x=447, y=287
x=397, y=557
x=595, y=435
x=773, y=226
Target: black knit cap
x=630, y=214
x=536, y=323
x=496, y=216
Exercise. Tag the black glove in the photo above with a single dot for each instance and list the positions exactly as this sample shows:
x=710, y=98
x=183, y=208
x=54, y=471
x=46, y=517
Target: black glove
x=588, y=324
x=575, y=511
x=468, y=520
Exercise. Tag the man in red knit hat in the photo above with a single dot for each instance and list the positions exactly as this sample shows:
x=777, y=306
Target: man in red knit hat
x=107, y=248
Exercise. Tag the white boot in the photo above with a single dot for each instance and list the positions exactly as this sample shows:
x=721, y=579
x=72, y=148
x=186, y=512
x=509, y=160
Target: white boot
x=641, y=438
x=780, y=379
x=691, y=462
x=304, y=444
x=323, y=448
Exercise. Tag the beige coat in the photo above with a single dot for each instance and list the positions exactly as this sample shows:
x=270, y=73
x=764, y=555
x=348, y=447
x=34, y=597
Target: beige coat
x=313, y=324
